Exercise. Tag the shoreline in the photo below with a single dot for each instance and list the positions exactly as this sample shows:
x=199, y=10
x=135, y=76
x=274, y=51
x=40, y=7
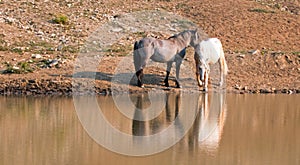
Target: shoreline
x=54, y=87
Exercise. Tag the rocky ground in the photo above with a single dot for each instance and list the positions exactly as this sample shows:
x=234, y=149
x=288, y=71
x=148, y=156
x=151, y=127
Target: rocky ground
x=40, y=41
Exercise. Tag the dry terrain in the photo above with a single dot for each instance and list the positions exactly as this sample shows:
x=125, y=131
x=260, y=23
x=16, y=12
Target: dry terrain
x=40, y=41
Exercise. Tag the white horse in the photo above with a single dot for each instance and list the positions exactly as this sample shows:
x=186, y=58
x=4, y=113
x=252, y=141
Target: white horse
x=165, y=51
x=208, y=52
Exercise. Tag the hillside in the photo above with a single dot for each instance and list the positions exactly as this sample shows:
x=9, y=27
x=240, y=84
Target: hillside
x=40, y=40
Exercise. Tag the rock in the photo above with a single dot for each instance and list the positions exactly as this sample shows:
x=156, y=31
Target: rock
x=60, y=47
x=265, y=91
x=116, y=29
x=37, y=56
x=288, y=59
x=53, y=35
x=254, y=52
x=277, y=91
x=236, y=86
x=2, y=20
x=241, y=55
x=53, y=62
x=31, y=81
x=40, y=33
x=173, y=30
x=15, y=68
x=9, y=20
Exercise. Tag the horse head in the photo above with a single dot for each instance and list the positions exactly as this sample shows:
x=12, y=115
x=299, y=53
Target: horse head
x=195, y=38
x=202, y=68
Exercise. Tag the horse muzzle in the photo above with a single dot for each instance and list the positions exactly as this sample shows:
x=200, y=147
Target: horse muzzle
x=201, y=76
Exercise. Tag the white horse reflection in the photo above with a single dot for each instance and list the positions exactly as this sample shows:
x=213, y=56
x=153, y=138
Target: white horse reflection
x=211, y=121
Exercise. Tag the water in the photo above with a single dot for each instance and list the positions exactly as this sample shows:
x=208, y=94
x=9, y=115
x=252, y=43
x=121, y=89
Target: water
x=224, y=129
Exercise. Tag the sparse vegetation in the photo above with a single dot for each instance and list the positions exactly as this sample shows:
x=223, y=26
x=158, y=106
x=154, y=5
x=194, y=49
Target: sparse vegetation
x=70, y=49
x=291, y=6
x=296, y=53
x=40, y=47
x=17, y=50
x=140, y=34
x=118, y=50
x=180, y=5
x=21, y=67
x=61, y=19
x=3, y=48
x=258, y=10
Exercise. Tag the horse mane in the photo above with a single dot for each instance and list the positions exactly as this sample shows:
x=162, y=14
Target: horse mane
x=180, y=37
x=183, y=33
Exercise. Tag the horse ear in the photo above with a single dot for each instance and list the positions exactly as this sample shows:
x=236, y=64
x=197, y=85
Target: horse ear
x=196, y=34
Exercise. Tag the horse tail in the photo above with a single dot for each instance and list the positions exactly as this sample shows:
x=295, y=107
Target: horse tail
x=136, y=56
x=223, y=62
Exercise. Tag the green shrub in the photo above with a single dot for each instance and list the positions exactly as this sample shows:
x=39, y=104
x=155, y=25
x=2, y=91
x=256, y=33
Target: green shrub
x=261, y=10
x=61, y=19
x=22, y=67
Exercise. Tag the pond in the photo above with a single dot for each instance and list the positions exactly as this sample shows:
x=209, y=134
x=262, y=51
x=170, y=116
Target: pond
x=164, y=128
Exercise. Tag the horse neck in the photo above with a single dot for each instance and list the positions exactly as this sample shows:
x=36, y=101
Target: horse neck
x=182, y=42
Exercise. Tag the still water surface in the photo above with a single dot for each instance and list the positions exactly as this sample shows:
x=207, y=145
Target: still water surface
x=231, y=129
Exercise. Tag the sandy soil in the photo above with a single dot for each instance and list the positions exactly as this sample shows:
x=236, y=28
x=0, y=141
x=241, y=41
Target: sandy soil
x=29, y=35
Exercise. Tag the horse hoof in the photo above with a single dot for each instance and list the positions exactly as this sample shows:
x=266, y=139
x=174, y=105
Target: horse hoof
x=204, y=90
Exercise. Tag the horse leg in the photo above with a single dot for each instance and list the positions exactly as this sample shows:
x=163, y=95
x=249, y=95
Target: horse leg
x=140, y=63
x=221, y=73
x=169, y=66
x=206, y=74
x=139, y=75
x=200, y=84
x=178, y=63
x=198, y=77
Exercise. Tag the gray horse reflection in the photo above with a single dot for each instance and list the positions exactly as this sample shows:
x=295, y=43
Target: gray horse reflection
x=148, y=127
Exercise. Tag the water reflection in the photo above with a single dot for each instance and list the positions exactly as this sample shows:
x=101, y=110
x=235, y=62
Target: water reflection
x=207, y=129
x=260, y=129
x=212, y=119
x=168, y=115
x=150, y=131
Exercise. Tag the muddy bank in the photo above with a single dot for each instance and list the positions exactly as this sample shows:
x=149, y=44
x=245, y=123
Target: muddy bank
x=53, y=87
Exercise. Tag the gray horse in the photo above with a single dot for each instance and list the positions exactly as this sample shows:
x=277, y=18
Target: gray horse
x=165, y=51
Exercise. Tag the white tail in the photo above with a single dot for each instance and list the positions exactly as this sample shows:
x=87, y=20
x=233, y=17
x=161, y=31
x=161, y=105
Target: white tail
x=223, y=61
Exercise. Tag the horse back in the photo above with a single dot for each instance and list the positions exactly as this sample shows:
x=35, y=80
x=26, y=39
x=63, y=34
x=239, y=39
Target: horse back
x=211, y=50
